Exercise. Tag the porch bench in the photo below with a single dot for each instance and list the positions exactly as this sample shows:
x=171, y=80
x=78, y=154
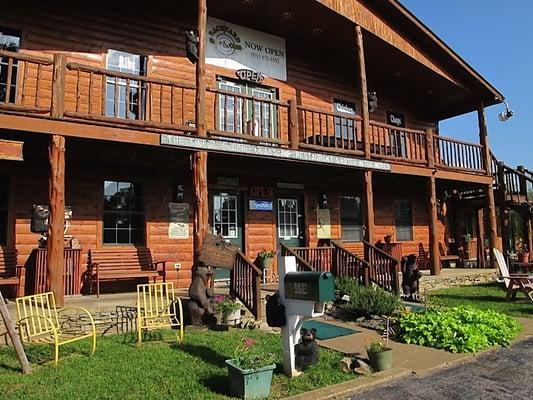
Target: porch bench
x=11, y=274
x=118, y=264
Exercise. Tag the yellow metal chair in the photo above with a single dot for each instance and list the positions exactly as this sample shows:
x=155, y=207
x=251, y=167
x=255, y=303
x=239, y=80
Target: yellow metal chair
x=38, y=321
x=158, y=307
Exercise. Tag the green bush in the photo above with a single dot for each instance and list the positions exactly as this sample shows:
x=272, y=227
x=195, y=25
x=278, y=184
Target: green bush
x=459, y=330
x=366, y=301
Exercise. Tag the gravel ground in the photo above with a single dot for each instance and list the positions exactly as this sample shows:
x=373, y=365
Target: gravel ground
x=501, y=374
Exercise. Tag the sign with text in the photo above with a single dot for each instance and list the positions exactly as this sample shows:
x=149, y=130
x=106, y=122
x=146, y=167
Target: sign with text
x=261, y=192
x=236, y=47
x=178, y=220
x=260, y=205
x=249, y=75
x=396, y=119
x=323, y=223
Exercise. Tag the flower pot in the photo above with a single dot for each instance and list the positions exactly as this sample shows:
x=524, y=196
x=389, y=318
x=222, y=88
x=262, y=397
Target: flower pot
x=232, y=318
x=266, y=262
x=380, y=361
x=250, y=383
x=523, y=257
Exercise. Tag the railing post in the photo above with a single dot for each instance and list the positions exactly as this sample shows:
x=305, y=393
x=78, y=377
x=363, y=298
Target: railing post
x=433, y=230
x=58, y=86
x=504, y=211
x=257, y=294
x=363, y=90
x=430, y=150
x=522, y=180
x=294, y=130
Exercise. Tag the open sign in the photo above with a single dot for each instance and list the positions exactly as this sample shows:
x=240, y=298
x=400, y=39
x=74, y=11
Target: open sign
x=249, y=75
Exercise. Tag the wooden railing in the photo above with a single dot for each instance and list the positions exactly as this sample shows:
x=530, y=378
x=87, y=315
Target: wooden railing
x=456, y=154
x=345, y=264
x=392, y=142
x=102, y=95
x=327, y=130
x=27, y=85
x=515, y=185
x=245, y=284
x=384, y=269
x=301, y=264
x=319, y=258
x=243, y=116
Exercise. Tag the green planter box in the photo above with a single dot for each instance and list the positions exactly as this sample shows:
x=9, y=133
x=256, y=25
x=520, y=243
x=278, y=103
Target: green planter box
x=380, y=361
x=250, y=383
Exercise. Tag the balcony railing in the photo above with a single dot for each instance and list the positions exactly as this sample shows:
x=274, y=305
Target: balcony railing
x=52, y=87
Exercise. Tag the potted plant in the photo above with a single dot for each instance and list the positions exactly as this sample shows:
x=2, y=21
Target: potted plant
x=250, y=370
x=266, y=258
x=230, y=310
x=380, y=356
x=523, y=254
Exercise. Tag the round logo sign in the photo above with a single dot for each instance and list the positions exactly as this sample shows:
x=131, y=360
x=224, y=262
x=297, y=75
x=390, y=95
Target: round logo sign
x=225, y=40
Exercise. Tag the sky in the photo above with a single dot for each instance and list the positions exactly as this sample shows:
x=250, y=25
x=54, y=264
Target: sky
x=496, y=38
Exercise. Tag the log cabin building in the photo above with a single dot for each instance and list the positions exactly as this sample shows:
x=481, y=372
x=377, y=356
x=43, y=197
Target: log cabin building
x=300, y=124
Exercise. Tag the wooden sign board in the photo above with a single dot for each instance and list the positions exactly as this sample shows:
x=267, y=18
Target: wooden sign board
x=11, y=150
x=323, y=223
x=217, y=253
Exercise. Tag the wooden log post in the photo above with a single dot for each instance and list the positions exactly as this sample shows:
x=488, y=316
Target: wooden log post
x=435, y=265
x=369, y=208
x=294, y=132
x=430, y=148
x=488, y=189
x=56, y=219
x=363, y=90
x=199, y=158
x=481, y=239
x=58, y=86
x=504, y=210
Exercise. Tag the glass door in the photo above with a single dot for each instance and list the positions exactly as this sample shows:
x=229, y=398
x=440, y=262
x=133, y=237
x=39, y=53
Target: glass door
x=290, y=221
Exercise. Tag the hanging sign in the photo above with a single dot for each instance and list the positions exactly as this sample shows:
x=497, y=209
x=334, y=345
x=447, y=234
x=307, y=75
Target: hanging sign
x=249, y=75
x=261, y=191
x=236, y=47
x=178, y=220
x=396, y=119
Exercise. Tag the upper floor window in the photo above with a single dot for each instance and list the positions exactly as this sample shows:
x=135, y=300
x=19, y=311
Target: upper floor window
x=344, y=126
x=123, y=213
x=241, y=114
x=4, y=203
x=403, y=220
x=10, y=41
x=125, y=98
x=351, y=210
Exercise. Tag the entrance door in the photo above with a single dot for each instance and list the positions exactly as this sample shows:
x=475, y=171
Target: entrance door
x=291, y=222
x=226, y=220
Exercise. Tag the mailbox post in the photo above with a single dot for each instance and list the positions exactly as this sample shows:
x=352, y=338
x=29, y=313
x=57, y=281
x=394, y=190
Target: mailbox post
x=304, y=295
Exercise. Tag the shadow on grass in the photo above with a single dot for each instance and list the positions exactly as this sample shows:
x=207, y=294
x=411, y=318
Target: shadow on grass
x=204, y=353
x=218, y=384
x=465, y=297
x=147, y=337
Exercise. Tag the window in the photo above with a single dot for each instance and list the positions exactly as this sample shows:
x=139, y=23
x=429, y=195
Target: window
x=403, y=220
x=117, y=88
x=225, y=215
x=344, y=127
x=10, y=41
x=4, y=202
x=256, y=117
x=288, y=218
x=123, y=213
x=351, y=208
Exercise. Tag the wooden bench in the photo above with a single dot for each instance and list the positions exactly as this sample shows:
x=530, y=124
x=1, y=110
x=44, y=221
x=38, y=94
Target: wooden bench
x=446, y=259
x=39, y=321
x=116, y=264
x=10, y=273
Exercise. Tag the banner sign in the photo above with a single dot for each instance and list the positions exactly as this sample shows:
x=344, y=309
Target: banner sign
x=236, y=47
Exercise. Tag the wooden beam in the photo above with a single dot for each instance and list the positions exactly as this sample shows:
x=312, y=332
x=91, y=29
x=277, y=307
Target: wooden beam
x=58, y=86
x=429, y=148
x=489, y=192
x=369, y=207
x=481, y=238
x=11, y=150
x=201, y=209
x=434, y=252
x=56, y=220
x=13, y=334
x=363, y=90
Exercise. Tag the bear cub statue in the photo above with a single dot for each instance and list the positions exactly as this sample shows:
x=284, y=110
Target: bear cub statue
x=306, y=352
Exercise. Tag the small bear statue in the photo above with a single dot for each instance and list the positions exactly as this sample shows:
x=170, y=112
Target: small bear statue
x=306, y=352
x=410, y=277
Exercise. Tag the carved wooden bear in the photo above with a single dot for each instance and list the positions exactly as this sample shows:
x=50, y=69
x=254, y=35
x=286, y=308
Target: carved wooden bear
x=410, y=276
x=306, y=352
x=200, y=306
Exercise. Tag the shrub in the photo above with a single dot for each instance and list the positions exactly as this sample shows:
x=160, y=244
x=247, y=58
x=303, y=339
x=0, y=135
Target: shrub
x=366, y=301
x=459, y=330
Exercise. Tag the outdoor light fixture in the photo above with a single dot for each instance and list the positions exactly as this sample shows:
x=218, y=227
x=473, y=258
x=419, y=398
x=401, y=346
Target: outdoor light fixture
x=317, y=30
x=286, y=14
x=505, y=115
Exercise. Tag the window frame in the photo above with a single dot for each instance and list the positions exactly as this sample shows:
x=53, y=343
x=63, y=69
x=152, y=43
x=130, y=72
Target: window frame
x=4, y=64
x=359, y=228
x=129, y=213
x=396, y=222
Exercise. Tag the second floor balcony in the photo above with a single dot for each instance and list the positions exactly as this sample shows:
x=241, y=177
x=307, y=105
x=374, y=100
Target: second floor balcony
x=56, y=88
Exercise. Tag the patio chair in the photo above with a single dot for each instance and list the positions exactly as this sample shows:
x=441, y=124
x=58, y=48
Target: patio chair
x=158, y=307
x=423, y=257
x=514, y=282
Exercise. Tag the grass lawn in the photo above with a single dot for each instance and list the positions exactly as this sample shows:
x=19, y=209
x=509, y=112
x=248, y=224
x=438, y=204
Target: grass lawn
x=157, y=370
x=486, y=296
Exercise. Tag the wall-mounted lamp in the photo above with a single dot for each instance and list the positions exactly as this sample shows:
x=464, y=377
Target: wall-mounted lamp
x=505, y=115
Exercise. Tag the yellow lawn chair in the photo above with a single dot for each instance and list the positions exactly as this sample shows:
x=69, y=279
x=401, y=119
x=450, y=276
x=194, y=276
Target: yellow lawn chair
x=158, y=307
x=38, y=321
